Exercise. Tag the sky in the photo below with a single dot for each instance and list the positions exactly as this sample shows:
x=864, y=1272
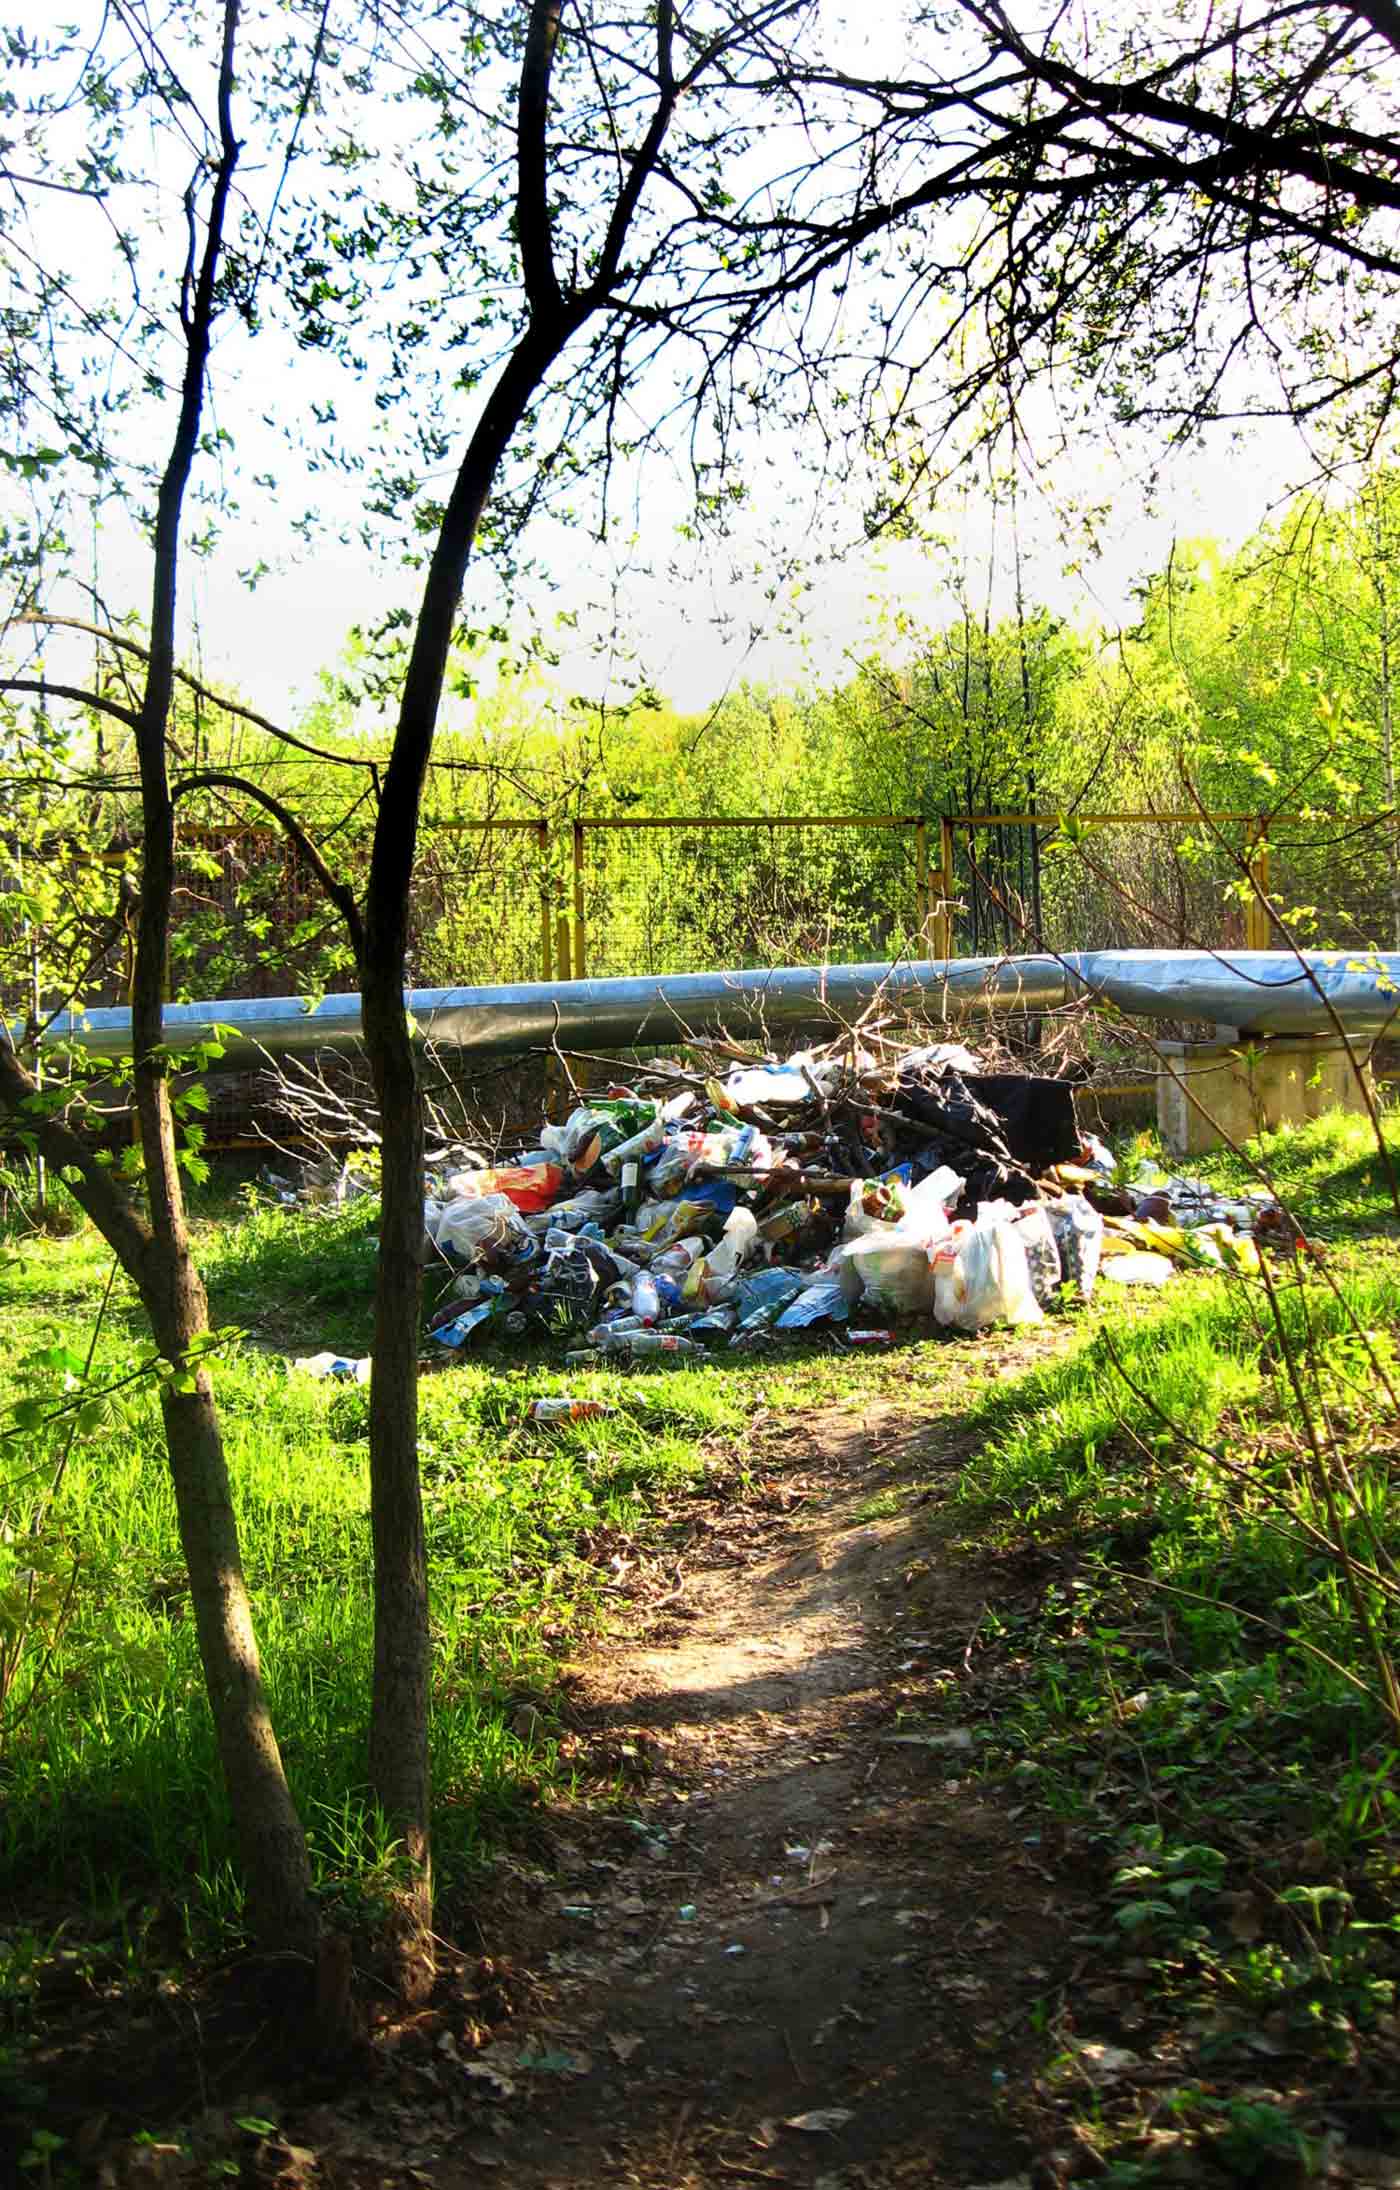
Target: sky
x=788, y=602
x=697, y=631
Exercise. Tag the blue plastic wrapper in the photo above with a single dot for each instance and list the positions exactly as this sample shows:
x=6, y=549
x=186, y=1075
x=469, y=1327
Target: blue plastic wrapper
x=721, y=1194
x=772, y=1288
x=460, y=1329
x=823, y=1302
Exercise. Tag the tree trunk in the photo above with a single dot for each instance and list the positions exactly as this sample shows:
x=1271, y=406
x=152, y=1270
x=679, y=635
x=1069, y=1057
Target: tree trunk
x=271, y=1844
x=398, y=1734
x=398, y=1737
x=1388, y=757
x=277, y=1872
x=398, y=1742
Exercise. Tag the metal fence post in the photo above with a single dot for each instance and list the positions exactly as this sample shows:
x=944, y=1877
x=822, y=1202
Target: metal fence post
x=546, y=952
x=923, y=922
x=580, y=954
x=945, y=887
x=1258, y=927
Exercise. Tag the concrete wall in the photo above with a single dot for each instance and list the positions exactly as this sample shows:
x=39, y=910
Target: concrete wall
x=1210, y=1093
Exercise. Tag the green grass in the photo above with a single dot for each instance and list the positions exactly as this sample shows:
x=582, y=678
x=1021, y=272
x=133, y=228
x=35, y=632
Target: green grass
x=1177, y=1676
x=110, y=1783
x=111, y=1780
x=1157, y=1663
x=1331, y=1174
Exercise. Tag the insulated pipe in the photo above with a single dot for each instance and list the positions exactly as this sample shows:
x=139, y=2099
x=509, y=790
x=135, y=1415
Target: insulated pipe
x=1255, y=992
x=1264, y=992
x=650, y=1009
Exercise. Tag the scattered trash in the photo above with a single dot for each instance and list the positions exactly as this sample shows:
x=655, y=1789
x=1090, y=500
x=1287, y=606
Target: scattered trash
x=822, y=2121
x=958, y=1737
x=1104, y=2063
x=339, y=1366
x=550, y=2061
x=1139, y=1269
x=566, y=1410
x=850, y=1189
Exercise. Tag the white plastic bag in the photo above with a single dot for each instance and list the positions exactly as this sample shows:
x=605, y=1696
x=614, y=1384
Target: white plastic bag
x=488, y=1223
x=735, y=1246
x=893, y=1269
x=1037, y=1236
x=926, y=1205
x=981, y=1276
x=1078, y=1229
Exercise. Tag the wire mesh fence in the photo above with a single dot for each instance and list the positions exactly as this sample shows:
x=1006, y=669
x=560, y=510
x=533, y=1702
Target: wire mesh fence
x=526, y=899
x=675, y=896
x=1018, y=882
x=1176, y=880
x=483, y=904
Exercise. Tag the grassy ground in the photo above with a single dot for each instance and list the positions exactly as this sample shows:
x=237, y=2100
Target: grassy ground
x=1171, y=1676
x=109, y=1776
x=1176, y=1678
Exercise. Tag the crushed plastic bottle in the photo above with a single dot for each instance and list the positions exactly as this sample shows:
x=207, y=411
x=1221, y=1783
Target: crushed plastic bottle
x=567, y=1410
x=610, y=1340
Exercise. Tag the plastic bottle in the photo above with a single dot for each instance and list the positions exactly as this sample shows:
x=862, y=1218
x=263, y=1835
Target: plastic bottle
x=641, y=1144
x=613, y=1341
x=646, y=1301
x=619, y=1326
x=734, y=1246
x=631, y=1186
x=677, y=1259
x=566, y=1410
x=720, y=1318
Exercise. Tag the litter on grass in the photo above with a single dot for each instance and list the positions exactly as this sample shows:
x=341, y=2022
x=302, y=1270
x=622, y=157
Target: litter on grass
x=829, y=1190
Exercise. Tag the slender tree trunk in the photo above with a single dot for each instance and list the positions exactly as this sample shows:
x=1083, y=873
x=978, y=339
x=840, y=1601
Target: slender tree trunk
x=272, y=1849
x=272, y=1845
x=398, y=1738
x=1388, y=756
x=398, y=1733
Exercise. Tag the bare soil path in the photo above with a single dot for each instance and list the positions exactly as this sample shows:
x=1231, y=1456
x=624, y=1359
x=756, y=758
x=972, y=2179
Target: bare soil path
x=781, y=1934
x=809, y=1949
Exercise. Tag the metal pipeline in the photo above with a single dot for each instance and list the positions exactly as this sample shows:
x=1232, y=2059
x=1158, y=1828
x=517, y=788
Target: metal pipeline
x=649, y=1009
x=1255, y=992
x=1263, y=992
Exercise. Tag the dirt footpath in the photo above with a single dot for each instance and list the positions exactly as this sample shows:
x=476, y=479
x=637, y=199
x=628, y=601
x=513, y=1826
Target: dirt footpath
x=778, y=1935
x=808, y=1950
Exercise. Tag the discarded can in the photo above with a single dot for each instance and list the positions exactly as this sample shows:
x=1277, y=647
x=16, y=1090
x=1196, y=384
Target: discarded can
x=870, y=1338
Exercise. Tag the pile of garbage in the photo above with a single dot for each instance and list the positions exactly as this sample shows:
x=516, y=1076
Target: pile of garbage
x=823, y=1190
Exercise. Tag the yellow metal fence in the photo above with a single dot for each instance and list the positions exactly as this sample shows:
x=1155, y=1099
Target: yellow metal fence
x=537, y=899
